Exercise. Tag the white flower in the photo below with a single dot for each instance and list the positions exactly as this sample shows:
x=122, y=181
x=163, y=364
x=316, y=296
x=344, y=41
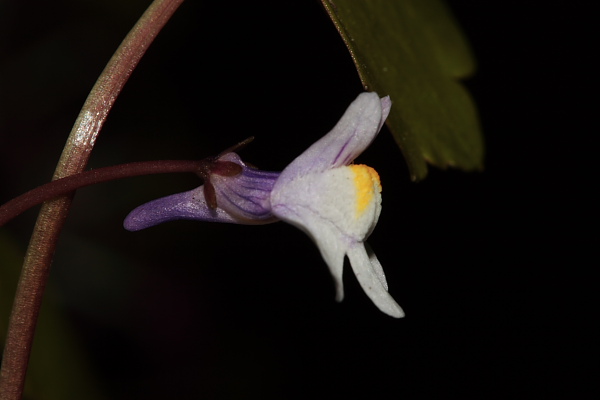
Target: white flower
x=338, y=203
x=335, y=202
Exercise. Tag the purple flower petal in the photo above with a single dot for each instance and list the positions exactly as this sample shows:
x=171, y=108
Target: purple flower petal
x=244, y=198
x=189, y=205
x=247, y=196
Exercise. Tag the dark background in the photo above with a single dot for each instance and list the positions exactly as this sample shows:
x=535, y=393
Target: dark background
x=493, y=269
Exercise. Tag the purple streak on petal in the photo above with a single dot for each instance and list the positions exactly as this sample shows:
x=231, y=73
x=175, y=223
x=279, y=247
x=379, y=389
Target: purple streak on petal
x=245, y=206
x=256, y=175
x=189, y=205
x=241, y=199
x=341, y=153
x=246, y=196
x=355, y=131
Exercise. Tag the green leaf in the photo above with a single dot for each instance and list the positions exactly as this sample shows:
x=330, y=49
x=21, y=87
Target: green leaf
x=413, y=51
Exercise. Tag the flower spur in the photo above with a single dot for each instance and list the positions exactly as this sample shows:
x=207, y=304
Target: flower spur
x=321, y=192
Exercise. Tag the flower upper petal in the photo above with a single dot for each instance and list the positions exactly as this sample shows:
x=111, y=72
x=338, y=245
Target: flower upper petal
x=354, y=132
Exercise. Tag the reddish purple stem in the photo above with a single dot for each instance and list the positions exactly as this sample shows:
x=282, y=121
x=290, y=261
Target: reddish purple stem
x=63, y=186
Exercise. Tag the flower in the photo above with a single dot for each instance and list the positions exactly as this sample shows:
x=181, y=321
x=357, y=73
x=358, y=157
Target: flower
x=321, y=192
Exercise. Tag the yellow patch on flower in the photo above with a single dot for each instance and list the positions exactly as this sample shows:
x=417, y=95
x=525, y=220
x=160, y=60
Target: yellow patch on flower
x=366, y=181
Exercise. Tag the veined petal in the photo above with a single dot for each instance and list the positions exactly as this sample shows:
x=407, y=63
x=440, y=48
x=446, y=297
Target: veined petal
x=354, y=132
x=189, y=205
x=246, y=196
x=369, y=276
x=241, y=199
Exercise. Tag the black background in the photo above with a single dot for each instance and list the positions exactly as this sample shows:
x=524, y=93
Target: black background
x=493, y=269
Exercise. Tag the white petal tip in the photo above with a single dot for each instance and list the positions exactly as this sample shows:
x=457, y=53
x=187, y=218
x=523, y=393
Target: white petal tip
x=397, y=313
x=339, y=293
x=388, y=305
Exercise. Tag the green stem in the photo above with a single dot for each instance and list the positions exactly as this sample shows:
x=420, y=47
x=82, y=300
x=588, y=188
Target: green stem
x=30, y=289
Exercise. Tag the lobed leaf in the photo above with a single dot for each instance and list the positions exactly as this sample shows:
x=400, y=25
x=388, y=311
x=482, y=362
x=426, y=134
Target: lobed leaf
x=413, y=51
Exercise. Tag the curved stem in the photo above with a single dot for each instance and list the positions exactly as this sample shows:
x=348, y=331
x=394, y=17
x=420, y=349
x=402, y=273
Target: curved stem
x=30, y=289
x=66, y=185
